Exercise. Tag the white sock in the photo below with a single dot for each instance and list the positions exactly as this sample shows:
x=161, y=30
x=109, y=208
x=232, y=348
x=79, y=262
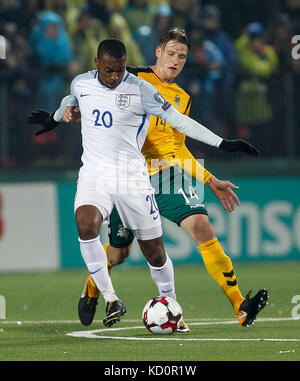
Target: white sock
x=163, y=277
x=95, y=259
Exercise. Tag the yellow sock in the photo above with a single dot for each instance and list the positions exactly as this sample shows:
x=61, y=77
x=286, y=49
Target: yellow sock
x=219, y=267
x=109, y=266
x=92, y=289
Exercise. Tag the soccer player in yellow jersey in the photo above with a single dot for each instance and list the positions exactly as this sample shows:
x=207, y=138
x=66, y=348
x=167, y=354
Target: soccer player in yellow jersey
x=165, y=150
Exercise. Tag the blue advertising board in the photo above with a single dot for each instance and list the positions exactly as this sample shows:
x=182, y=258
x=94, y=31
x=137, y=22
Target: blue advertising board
x=266, y=225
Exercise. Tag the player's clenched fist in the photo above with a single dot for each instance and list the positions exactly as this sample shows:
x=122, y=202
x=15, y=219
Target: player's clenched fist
x=71, y=114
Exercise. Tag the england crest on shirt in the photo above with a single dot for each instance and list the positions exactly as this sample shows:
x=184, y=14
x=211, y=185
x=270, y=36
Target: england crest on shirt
x=122, y=100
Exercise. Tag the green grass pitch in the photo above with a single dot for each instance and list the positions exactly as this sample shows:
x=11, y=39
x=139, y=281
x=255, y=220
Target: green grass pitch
x=41, y=313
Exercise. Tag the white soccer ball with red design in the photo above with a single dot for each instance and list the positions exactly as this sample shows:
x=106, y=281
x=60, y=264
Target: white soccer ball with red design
x=162, y=315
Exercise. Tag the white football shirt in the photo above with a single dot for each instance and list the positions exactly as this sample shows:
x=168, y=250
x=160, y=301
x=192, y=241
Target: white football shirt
x=114, y=122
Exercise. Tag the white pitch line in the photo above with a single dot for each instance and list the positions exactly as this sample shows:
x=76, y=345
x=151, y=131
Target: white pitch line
x=92, y=333
x=91, y=336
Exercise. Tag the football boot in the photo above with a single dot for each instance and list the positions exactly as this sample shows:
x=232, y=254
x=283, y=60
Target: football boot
x=88, y=302
x=250, y=307
x=183, y=328
x=114, y=311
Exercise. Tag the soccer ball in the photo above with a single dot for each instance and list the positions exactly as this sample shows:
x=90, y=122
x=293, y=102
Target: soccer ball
x=162, y=315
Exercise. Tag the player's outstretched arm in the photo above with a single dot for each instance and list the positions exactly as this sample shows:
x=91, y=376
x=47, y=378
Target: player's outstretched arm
x=50, y=120
x=154, y=104
x=197, y=131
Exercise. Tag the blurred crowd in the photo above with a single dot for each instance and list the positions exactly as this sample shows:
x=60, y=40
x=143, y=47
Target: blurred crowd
x=240, y=72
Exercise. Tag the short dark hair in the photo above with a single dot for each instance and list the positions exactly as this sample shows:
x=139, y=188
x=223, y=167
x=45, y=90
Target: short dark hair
x=176, y=34
x=112, y=47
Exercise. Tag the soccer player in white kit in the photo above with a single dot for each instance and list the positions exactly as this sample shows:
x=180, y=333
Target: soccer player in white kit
x=115, y=110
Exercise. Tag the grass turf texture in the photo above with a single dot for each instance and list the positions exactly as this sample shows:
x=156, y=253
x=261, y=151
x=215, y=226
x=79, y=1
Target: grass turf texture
x=41, y=309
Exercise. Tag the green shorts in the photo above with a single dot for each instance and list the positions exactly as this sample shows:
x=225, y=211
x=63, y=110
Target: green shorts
x=177, y=195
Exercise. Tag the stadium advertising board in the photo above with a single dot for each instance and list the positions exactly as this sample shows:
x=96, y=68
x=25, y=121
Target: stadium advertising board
x=28, y=227
x=266, y=226
x=38, y=230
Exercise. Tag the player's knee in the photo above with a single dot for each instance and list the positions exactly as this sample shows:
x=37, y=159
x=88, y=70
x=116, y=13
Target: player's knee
x=154, y=251
x=87, y=231
x=88, y=228
x=124, y=253
x=157, y=259
x=201, y=230
x=155, y=256
x=117, y=256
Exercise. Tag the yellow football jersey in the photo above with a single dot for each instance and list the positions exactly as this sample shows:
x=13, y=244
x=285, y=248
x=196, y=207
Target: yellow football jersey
x=164, y=145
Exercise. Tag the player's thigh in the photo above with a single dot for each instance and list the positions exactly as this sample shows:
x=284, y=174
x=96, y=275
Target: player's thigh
x=198, y=227
x=88, y=193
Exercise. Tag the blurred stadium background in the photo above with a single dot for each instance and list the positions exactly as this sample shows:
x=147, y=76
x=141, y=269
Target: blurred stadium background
x=244, y=83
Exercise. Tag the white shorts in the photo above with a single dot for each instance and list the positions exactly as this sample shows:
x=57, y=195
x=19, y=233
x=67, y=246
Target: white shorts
x=137, y=207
